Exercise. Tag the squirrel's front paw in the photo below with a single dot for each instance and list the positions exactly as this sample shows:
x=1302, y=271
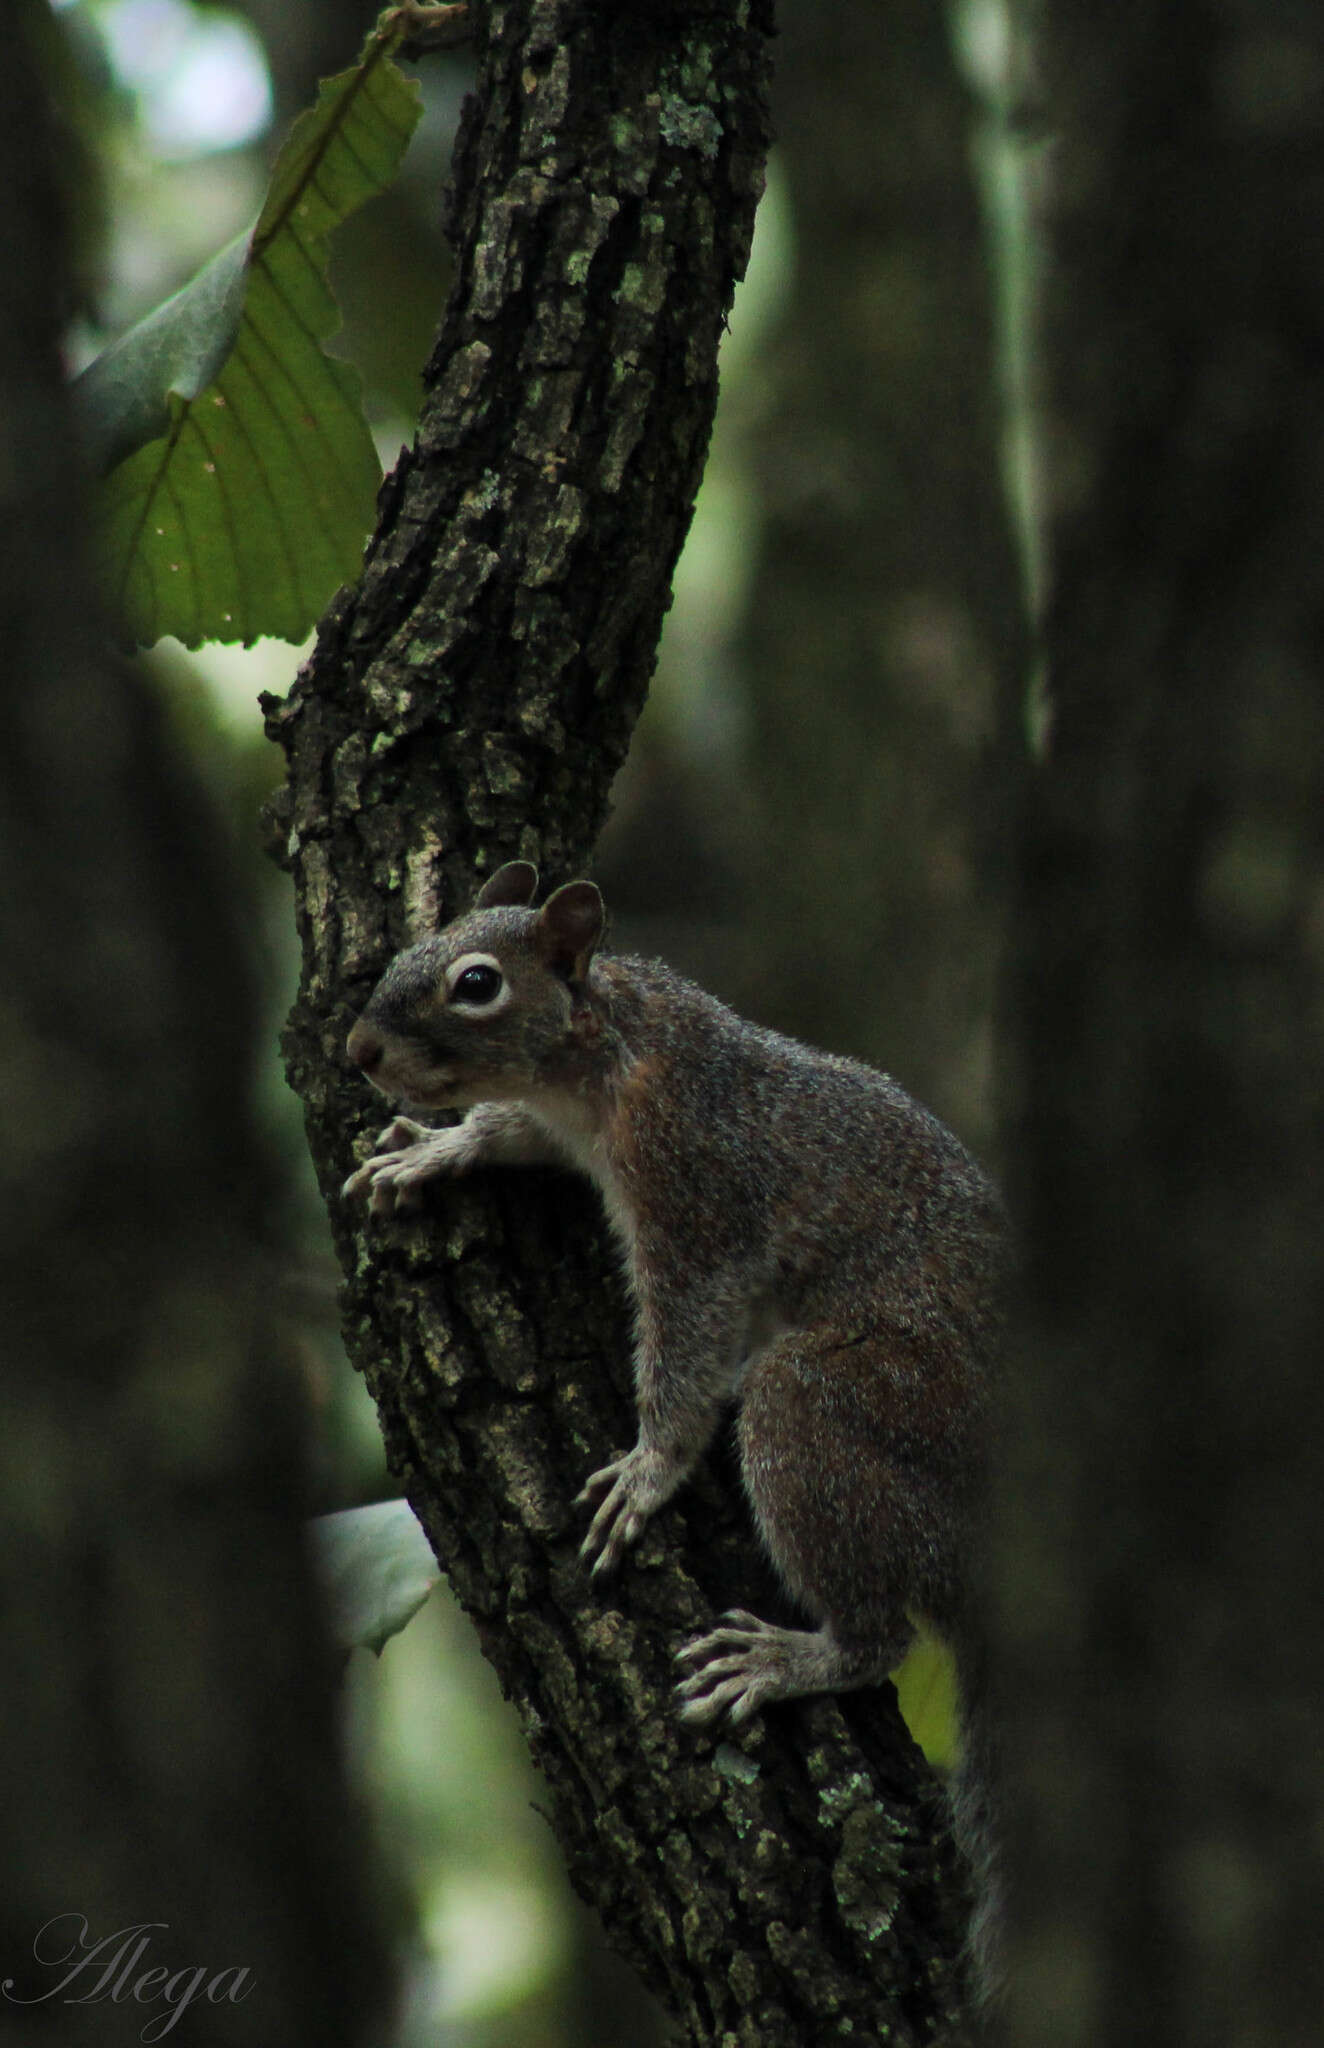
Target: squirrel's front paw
x=406, y=1155
x=628, y=1491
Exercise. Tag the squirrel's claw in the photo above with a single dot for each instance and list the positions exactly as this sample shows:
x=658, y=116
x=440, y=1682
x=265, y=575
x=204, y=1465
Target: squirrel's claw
x=615, y=1525
x=629, y=1491
x=386, y=1183
x=400, y=1135
x=735, y=1670
x=737, y=1626
x=405, y=1155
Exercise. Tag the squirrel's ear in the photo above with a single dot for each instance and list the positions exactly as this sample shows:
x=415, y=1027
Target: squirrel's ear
x=516, y=882
x=569, y=929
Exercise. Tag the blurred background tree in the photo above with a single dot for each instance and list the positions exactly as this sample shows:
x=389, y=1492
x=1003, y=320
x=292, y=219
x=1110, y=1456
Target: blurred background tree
x=1163, y=1592
x=813, y=771
x=175, y=1796
x=804, y=822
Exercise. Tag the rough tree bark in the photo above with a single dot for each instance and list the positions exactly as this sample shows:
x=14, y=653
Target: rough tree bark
x=167, y=1724
x=1165, y=1650
x=469, y=701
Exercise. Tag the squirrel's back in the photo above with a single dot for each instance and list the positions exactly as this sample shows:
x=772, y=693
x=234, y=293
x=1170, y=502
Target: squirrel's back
x=747, y=1136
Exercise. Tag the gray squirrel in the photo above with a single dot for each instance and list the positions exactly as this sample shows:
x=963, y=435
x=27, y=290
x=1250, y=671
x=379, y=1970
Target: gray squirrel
x=799, y=1236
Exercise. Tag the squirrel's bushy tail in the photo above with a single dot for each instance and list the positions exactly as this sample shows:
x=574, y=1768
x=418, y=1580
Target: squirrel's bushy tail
x=976, y=1818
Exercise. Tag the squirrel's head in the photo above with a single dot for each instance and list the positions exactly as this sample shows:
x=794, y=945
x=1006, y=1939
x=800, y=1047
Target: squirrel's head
x=476, y=1011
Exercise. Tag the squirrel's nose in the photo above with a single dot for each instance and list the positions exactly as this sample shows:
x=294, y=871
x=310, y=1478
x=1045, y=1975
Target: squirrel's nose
x=365, y=1047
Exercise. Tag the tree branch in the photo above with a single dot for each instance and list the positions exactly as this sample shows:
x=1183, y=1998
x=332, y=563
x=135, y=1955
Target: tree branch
x=471, y=700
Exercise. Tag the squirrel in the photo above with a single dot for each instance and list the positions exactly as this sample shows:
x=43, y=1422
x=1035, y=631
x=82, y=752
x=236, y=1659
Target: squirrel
x=799, y=1236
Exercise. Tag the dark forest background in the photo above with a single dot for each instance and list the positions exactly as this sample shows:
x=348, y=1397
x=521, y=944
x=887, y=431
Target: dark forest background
x=986, y=743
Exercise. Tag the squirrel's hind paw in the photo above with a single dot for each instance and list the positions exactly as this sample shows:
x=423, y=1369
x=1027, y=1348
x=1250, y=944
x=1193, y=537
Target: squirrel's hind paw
x=739, y=1668
x=745, y=1664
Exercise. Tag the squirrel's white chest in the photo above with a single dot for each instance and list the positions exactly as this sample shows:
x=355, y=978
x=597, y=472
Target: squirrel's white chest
x=577, y=1132
x=751, y=1318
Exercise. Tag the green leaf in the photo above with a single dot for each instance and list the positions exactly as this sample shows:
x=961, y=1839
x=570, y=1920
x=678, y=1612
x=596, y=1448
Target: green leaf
x=378, y=1569
x=926, y=1692
x=123, y=397
x=251, y=501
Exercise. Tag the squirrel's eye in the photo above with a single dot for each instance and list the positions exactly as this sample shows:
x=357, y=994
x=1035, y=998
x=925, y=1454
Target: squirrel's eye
x=477, y=985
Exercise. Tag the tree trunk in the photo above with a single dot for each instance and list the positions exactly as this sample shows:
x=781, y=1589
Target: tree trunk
x=469, y=701
x=1165, y=1578
x=167, y=1726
